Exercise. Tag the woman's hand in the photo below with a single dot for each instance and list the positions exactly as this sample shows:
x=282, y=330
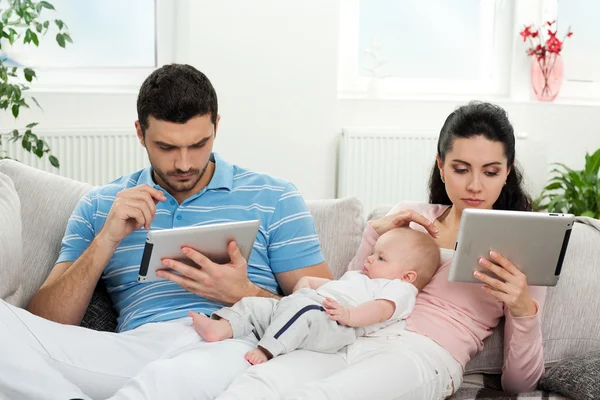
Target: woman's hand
x=400, y=219
x=514, y=291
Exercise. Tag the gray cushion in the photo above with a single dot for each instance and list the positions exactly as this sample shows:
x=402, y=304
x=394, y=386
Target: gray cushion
x=339, y=224
x=100, y=314
x=11, y=260
x=47, y=201
x=577, y=378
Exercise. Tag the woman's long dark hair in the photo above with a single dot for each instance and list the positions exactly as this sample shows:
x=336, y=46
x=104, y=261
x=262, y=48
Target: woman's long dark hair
x=491, y=121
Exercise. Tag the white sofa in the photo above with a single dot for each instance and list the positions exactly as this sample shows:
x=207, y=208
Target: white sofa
x=571, y=325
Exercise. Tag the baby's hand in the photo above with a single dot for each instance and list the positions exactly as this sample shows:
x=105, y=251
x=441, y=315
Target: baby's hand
x=301, y=284
x=337, y=312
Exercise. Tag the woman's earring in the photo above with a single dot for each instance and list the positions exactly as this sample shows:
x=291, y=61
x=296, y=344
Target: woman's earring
x=504, y=183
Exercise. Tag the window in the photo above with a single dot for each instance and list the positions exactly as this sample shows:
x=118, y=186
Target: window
x=424, y=47
x=580, y=52
x=115, y=44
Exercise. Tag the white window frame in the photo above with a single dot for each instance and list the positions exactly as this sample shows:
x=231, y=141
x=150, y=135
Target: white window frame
x=113, y=80
x=571, y=89
x=495, y=80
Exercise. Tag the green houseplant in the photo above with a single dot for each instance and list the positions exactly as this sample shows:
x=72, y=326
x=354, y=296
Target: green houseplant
x=22, y=20
x=573, y=191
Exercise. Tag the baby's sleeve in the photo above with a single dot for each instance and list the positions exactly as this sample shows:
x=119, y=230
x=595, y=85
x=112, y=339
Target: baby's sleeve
x=402, y=294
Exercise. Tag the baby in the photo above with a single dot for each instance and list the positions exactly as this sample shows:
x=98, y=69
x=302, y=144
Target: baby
x=324, y=315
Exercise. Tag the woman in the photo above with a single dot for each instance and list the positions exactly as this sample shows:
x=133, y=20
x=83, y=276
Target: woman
x=474, y=168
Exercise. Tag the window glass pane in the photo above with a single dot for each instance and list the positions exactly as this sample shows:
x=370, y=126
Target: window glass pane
x=421, y=38
x=582, y=51
x=106, y=33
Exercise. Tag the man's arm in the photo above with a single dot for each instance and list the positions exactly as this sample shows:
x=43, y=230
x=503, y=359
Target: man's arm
x=67, y=291
x=320, y=273
x=369, y=313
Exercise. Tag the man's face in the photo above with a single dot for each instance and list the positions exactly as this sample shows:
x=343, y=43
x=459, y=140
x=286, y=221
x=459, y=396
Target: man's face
x=179, y=153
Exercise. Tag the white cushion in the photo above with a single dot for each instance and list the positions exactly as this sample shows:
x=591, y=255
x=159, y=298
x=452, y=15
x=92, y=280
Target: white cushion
x=47, y=201
x=11, y=260
x=339, y=224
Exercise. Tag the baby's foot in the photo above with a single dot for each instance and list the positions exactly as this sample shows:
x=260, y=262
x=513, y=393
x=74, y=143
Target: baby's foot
x=256, y=356
x=211, y=330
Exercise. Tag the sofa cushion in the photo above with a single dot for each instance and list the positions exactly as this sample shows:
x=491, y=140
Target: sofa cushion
x=11, y=260
x=47, y=201
x=339, y=224
x=572, y=303
x=577, y=377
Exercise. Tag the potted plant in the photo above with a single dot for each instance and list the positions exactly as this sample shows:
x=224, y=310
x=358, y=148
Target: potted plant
x=573, y=191
x=22, y=20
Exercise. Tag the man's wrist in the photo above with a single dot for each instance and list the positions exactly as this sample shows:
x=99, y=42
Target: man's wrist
x=104, y=243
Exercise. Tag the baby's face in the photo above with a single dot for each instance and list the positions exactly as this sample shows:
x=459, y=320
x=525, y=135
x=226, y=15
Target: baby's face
x=387, y=261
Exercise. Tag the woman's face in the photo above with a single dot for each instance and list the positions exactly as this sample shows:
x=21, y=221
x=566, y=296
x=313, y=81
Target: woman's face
x=474, y=172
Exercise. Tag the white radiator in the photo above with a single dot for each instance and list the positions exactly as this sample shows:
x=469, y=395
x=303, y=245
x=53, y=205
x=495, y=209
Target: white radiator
x=385, y=166
x=96, y=156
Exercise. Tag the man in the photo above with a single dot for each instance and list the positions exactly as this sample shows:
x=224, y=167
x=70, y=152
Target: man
x=156, y=353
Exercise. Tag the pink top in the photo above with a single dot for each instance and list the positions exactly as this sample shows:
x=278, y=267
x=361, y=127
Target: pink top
x=458, y=316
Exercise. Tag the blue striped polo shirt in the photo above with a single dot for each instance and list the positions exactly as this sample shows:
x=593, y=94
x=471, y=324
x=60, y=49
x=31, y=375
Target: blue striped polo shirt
x=286, y=238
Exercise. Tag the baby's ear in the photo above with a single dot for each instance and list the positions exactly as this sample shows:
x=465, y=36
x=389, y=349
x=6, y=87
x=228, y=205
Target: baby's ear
x=409, y=276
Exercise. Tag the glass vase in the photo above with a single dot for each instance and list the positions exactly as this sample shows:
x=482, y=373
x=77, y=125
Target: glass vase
x=546, y=76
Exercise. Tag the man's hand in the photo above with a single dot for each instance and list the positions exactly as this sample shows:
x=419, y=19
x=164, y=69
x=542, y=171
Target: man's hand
x=132, y=209
x=225, y=283
x=303, y=283
x=337, y=312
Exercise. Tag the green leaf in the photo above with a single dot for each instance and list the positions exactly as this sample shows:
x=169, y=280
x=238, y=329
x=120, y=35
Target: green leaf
x=592, y=163
x=34, y=38
x=47, y=5
x=39, y=144
x=12, y=36
x=54, y=161
x=27, y=36
x=554, y=186
x=39, y=27
x=29, y=74
x=46, y=24
x=15, y=110
x=588, y=213
x=31, y=125
x=60, y=39
x=39, y=153
x=36, y=102
x=66, y=36
x=59, y=24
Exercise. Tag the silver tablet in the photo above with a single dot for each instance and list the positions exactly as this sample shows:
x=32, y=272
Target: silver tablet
x=210, y=240
x=534, y=242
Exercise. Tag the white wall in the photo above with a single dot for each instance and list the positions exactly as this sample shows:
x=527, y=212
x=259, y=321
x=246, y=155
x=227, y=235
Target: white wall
x=556, y=132
x=274, y=66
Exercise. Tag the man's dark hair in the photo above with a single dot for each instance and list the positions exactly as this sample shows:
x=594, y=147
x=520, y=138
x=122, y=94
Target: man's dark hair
x=176, y=93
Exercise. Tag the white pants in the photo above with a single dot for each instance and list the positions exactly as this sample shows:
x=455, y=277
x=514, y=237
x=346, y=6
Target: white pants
x=40, y=359
x=297, y=321
x=400, y=366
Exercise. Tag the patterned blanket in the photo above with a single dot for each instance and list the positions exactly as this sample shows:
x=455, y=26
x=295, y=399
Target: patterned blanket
x=479, y=386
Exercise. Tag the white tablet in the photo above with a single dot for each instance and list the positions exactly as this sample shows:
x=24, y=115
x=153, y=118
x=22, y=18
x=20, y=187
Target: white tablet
x=210, y=240
x=534, y=242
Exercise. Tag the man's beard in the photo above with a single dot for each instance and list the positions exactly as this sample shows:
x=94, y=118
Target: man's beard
x=178, y=186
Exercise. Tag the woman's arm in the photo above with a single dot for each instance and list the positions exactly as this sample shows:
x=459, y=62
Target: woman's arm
x=523, y=352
